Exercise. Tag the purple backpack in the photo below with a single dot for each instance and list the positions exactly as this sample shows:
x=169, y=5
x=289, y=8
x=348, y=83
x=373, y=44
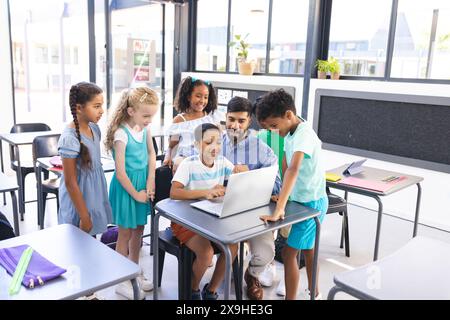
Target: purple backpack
x=109, y=237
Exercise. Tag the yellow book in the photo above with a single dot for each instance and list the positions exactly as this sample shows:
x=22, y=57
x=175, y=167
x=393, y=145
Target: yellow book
x=332, y=177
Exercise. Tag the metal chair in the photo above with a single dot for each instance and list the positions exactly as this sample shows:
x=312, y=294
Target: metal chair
x=25, y=168
x=45, y=146
x=337, y=204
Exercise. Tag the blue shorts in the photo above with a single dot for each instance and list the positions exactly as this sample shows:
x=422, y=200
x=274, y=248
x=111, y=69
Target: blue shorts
x=303, y=234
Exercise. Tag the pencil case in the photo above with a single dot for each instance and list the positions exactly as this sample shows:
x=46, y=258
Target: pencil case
x=39, y=270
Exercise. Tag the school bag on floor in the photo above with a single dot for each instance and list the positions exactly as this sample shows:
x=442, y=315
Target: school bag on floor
x=6, y=231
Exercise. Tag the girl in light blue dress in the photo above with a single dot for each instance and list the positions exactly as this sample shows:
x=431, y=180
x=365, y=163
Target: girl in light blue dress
x=83, y=195
x=133, y=182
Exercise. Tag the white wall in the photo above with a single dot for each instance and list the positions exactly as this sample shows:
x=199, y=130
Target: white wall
x=435, y=204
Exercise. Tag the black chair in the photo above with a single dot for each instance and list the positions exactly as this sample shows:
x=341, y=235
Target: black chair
x=25, y=168
x=46, y=146
x=339, y=205
x=170, y=244
x=159, y=157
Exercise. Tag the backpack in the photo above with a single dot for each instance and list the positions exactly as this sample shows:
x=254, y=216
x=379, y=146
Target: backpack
x=280, y=242
x=109, y=237
x=6, y=231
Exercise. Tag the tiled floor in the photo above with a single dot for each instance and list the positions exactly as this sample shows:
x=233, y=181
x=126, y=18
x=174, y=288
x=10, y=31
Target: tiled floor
x=395, y=233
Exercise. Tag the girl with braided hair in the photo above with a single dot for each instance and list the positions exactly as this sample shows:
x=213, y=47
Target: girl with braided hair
x=133, y=182
x=83, y=194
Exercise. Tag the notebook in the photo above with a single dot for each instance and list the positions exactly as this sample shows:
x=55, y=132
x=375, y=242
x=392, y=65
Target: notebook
x=332, y=177
x=39, y=270
x=367, y=184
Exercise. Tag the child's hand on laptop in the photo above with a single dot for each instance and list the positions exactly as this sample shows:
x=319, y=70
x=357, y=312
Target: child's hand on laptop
x=240, y=168
x=277, y=215
x=217, y=191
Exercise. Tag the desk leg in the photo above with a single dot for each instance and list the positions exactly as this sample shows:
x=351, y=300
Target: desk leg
x=21, y=187
x=155, y=239
x=226, y=250
x=15, y=213
x=316, y=259
x=333, y=292
x=416, y=218
x=377, y=237
x=135, y=289
x=3, y=168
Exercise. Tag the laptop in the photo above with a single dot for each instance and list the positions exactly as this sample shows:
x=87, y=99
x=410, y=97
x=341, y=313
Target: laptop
x=245, y=191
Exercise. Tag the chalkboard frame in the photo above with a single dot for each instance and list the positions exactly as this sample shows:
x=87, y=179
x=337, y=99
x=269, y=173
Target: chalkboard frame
x=380, y=96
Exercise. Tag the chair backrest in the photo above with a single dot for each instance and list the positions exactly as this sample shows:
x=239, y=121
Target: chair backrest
x=45, y=146
x=25, y=127
x=155, y=145
x=29, y=127
x=163, y=182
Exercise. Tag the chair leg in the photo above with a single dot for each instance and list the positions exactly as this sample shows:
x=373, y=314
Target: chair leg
x=347, y=235
x=185, y=285
x=22, y=192
x=161, y=256
x=236, y=279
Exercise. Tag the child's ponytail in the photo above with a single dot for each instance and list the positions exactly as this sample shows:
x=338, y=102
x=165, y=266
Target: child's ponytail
x=181, y=102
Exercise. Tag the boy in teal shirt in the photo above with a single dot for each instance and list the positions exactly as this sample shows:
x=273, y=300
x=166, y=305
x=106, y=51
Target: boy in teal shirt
x=303, y=180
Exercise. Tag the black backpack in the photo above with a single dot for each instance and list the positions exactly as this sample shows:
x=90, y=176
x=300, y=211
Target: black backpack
x=6, y=231
x=280, y=242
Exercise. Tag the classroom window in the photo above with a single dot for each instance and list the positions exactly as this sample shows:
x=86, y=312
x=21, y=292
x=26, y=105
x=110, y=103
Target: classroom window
x=250, y=18
x=288, y=44
x=38, y=36
x=211, y=49
x=136, y=45
x=422, y=40
x=359, y=36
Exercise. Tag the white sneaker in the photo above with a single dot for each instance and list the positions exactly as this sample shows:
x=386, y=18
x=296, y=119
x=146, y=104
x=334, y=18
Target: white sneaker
x=308, y=295
x=281, y=289
x=144, y=283
x=266, y=277
x=125, y=289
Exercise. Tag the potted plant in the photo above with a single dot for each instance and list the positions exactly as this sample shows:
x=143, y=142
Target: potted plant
x=322, y=68
x=245, y=67
x=334, y=68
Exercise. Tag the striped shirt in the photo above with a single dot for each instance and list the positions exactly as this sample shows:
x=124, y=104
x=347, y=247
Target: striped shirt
x=194, y=175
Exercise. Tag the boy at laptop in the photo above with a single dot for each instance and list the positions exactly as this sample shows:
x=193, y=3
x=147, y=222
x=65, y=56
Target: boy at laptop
x=202, y=176
x=247, y=152
x=303, y=181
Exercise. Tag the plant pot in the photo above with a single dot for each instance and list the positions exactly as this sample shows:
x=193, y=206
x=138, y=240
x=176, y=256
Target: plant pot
x=335, y=76
x=246, y=68
x=321, y=75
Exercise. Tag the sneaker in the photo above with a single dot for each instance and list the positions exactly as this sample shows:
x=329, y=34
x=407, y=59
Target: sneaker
x=144, y=283
x=209, y=295
x=196, y=295
x=308, y=295
x=266, y=277
x=93, y=296
x=281, y=288
x=125, y=289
